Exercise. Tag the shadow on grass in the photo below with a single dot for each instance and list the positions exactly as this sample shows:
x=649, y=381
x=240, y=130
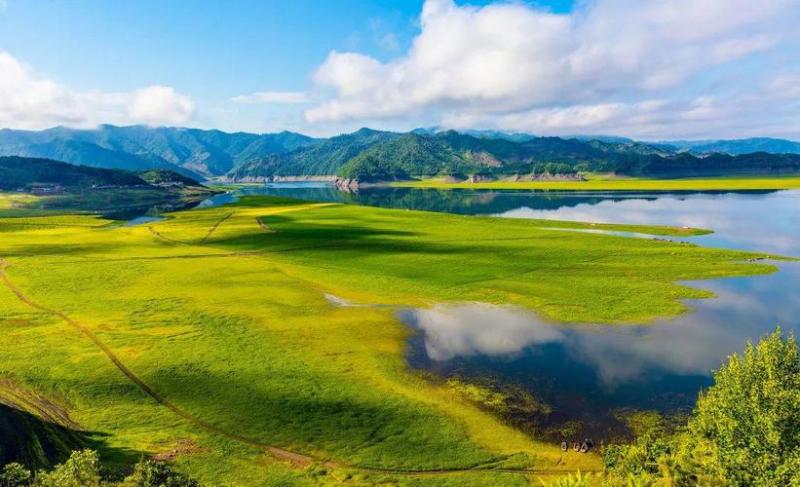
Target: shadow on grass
x=293, y=235
x=40, y=444
x=308, y=415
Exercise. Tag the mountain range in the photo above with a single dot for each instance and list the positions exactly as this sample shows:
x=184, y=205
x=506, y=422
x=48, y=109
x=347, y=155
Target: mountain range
x=736, y=147
x=372, y=155
x=193, y=152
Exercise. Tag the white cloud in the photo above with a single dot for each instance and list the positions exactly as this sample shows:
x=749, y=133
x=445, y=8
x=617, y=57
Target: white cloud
x=160, y=104
x=514, y=66
x=273, y=97
x=31, y=100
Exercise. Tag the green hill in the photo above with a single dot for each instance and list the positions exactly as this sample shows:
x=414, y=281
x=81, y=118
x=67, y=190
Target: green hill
x=324, y=158
x=368, y=156
x=164, y=177
x=25, y=173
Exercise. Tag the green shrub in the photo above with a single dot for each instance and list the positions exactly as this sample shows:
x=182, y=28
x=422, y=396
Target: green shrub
x=748, y=423
x=148, y=473
x=578, y=480
x=82, y=469
x=15, y=475
x=744, y=430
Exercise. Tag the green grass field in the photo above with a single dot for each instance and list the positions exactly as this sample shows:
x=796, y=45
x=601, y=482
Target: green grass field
x=623, y=184
x=207, y=336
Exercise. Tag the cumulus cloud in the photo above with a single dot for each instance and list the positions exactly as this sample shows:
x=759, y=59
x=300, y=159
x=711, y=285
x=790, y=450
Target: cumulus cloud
x=273, y=97
x=31, y=100
x=160, y=104
x=515, y=66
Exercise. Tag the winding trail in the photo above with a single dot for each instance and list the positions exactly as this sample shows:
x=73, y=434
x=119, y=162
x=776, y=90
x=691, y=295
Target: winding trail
x=273, y=450
x=161, y=236
x=215, y=226
x=264, y=226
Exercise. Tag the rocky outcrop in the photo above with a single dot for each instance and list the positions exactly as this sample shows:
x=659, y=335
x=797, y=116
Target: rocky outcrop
x=545, y=177
x=347, y=185
x=295, y=179
x=478, y=178
x=280, y=179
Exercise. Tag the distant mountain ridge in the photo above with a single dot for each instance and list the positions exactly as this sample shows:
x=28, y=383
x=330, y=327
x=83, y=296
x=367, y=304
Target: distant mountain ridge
x=373, y=155
x=736, y=146
x=192, y=152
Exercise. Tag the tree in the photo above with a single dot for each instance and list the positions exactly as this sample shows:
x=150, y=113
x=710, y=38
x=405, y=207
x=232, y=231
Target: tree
x=748, y=424
x=745, y=430
x=82, y=469
x=148, y=473
x=15, y=475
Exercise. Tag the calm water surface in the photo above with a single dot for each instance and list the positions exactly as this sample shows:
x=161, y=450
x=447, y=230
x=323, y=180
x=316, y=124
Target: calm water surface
x=586, y=372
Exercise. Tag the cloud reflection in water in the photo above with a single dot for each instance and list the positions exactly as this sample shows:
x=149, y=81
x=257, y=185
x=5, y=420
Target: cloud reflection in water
x=692, y=344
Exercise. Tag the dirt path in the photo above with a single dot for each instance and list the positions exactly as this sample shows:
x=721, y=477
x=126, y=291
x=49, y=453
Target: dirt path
x=264, y=226
x=216, y=225
x=277, y=452
x=213, y=229
x=161, y=236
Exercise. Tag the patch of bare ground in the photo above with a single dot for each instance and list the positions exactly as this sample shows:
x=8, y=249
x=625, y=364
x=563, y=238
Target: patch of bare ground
x=182, y=447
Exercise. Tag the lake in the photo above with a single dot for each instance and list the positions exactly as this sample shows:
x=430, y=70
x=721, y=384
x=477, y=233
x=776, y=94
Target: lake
x=586, y=373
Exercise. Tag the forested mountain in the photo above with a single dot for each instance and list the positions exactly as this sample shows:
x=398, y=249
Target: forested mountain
x=323, y=158
x=193, y=152
x=369, y=155
x=28, y=173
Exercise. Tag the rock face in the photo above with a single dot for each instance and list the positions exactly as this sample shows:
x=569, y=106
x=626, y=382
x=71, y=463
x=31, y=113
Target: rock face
x=287, y=179
x=280, y=179
x=478, y=178
x=546, y=177
x=347, y=185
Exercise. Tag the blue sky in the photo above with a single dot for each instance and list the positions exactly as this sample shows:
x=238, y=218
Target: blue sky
x=324, y=67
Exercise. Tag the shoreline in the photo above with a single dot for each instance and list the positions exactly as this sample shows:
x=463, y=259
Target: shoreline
x=687, y=184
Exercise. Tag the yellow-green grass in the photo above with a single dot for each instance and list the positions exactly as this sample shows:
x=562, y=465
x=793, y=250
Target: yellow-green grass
x=622, y=184
x=222, y=313
x=18, y=204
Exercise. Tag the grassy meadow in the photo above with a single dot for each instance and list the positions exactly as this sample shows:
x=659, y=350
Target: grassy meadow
x=207, y=337
x=732, y=183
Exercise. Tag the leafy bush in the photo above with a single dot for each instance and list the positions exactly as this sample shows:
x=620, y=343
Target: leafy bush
x=744, y=431
x=15, y=475
x=83, y=469
x=749, y=421
x=148, y=473
x=577, y=480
